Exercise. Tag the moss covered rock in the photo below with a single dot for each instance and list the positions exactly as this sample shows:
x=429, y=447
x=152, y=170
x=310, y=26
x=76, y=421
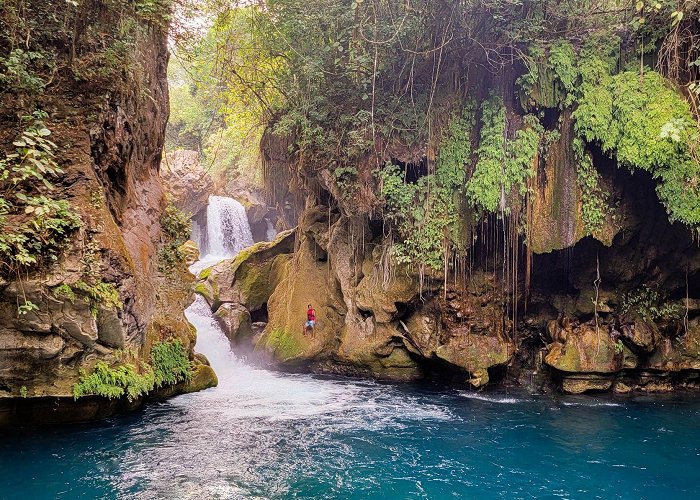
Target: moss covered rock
x=250, y=278
x=583, y=348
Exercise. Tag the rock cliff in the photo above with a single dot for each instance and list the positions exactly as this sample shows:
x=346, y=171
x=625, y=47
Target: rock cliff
x=109, y=296
x=613, y=311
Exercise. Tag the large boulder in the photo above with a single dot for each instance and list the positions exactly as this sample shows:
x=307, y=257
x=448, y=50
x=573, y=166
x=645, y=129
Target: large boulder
x=305, y=280
x=250, y=278
x=235, y=321
x=587, y=356
x=186, y=181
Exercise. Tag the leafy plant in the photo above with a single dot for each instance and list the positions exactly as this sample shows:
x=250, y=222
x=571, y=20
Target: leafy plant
x=169, y=365
x=426, y=213
x=95, y=294
x=34, y=227
x=650, y=304
x=619, y=347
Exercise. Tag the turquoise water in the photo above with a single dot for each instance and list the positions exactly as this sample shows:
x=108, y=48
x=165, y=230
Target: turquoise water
x=262, y=434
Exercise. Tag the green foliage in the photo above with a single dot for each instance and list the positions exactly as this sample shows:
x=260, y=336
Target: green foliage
x=23, y=391
x=647, y=125
x=33, y=226
x=114, y=382
x=487, y=187
x=502, y=165
x=427, y=213
x=639, y=119
x=64, y=291
x=650, y=304
x=95, y=294
x=176, y=228
x=594, y=207
x=169, y=365
x=344, y=178
x=26, y=307
x=619, y=346
x=175, y=224
x=21, y=71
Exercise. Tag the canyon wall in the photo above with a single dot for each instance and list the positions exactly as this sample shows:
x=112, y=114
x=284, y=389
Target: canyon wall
x=109, y=133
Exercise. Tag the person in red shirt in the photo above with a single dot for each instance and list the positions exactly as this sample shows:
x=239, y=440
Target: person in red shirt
x=310, y=321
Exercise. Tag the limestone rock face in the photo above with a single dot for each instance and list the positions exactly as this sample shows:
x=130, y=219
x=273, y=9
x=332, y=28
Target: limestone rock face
x=250, y=278
x=679, y=354
x=190, y=251
x=636, y=357
x=369, y=322
x=583, y=348
x=110, y=139
x=186, y=180
x=235, y=321
x=556, y=221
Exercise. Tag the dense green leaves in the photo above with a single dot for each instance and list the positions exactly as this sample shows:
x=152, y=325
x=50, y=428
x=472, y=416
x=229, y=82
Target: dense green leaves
x=427, y=213
x=33, y=225
x=169, y=365
x=646, y=125
x=502, y=165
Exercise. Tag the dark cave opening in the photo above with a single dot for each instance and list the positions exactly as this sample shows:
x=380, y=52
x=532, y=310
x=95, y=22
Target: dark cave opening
x=259, y=315
x=412, y=170
x=549, y=118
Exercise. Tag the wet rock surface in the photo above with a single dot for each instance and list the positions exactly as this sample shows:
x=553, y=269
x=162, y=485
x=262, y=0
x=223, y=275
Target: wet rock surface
x=110, y=138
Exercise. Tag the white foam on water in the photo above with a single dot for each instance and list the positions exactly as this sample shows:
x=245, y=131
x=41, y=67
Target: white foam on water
x=490, y=398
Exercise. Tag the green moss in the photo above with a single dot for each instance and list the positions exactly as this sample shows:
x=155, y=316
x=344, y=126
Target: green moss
x=204, y=273
x=283, y=344
x=95, y=294
x=254, y=284
x=204, y=291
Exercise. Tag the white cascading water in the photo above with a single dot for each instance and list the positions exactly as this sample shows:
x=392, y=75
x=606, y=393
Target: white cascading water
x=227, y=232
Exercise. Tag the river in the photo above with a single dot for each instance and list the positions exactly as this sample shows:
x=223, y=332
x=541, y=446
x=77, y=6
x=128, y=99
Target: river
x=262, y=434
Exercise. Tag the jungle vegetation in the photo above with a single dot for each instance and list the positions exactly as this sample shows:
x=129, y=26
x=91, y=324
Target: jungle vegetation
x=432, y=114
x=428, y=114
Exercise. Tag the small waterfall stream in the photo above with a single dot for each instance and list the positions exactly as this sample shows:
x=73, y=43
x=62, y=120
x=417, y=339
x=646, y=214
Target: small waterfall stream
x=226, y=234
x=228, y=231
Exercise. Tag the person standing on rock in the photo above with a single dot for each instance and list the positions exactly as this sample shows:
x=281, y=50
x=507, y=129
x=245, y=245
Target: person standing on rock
x=310, y=321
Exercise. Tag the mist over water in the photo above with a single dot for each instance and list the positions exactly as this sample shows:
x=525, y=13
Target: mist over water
x=263, y=434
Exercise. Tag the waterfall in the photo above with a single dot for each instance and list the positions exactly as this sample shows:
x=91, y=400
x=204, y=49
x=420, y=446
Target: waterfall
x=227, y=232
x=270, y=233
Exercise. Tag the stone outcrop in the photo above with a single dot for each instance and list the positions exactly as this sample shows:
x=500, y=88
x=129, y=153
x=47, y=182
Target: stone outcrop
x=110, y=135
x=587, y=357
x=367, y=324
x=186, y=180
x=239, y=289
